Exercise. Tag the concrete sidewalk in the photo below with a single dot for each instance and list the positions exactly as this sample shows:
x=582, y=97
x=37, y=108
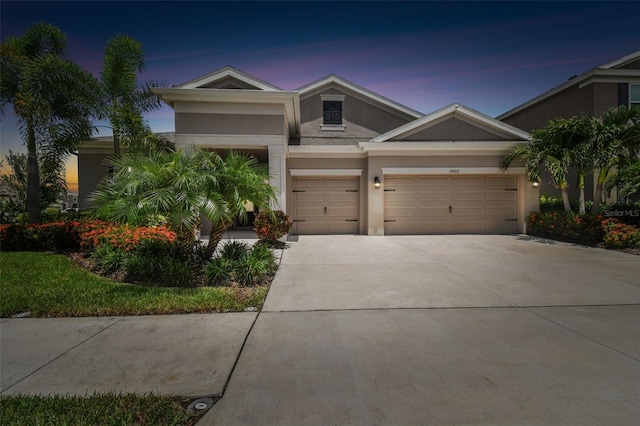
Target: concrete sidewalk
x=187, y=355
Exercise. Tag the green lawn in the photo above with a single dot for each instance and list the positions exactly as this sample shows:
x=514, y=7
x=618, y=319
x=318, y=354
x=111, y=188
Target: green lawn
x=101, y=409
x=51, y=285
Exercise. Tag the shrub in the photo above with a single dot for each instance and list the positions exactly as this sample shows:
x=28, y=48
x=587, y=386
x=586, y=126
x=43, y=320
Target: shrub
x=562, y=226
x=619, y=235
x=108, y=259
x=159, y=263
x=53, y=236
x=239, y=263
x=271, y=225
x=554, y=203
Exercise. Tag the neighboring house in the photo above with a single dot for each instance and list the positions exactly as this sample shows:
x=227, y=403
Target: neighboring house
x=347, y=160
x=593, y=92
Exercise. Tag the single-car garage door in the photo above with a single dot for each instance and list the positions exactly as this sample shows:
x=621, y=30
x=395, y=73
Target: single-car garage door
x=450, y=204
x=325, y=205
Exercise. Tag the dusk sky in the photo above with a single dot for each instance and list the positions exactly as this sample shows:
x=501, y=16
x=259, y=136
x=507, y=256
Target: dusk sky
x=490, y=56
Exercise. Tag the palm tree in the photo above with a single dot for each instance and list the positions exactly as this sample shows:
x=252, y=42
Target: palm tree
x=616, y=141
x=124, y=99
x=182, y=186
x=52, y=97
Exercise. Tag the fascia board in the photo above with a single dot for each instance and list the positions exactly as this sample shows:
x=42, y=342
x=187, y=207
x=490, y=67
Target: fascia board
x=622, y=61
x=611, y=76
x=439, y=148
x=320, y=151
x=307, y=90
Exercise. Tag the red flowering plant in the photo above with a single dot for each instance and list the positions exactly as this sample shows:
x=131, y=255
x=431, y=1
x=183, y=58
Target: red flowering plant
x=122, y=237
x=269, y=226
x=563, y=226
x=52, y=236
x=619, y=235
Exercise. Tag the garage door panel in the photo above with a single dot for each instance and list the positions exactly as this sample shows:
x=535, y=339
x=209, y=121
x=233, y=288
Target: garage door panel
x=467, y=211
x=308, y=197
x=427, y=212
x=479, y=204
x=328, y=205
x=432, y=181
x=400, y=212
x=342, y=197
x=469, y=181
x=466, y=196
x=507, y=211
x=431, y=197
x=396, y=197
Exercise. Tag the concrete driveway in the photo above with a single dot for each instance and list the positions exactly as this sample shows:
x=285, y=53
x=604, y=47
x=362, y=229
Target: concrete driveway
x=442, y=330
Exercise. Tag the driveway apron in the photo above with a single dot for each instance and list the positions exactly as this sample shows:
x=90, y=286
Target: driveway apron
x=443, y=330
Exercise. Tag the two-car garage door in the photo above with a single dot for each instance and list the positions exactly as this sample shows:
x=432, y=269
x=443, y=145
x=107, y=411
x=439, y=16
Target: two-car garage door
x=450, y=204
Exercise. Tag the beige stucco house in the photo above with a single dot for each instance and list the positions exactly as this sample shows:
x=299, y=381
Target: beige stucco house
x=348, y=160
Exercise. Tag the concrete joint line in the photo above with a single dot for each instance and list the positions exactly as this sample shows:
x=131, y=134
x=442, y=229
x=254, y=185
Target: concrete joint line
x=583, y=335
x=62, y=354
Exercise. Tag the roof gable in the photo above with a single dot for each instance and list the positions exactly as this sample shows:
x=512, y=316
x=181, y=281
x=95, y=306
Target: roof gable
x=228, y=78
x=359, y=92
x=454, y=122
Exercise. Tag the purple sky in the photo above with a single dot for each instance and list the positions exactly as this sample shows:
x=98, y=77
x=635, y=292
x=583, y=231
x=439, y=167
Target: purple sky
x=490, y=56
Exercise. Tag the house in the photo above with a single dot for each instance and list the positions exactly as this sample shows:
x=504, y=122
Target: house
x=348, y=160
x=593, y=92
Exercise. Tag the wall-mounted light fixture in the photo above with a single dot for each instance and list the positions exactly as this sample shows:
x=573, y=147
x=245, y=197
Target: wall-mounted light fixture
x=376, y=182
x=535, y=184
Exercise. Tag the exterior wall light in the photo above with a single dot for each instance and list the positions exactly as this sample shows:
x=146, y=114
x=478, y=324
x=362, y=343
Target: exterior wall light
x=535, y=184
x=376, y=182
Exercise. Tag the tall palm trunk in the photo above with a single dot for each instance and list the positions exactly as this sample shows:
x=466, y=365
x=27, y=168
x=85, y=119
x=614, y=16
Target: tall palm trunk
x=597, y=194
x=217, y=231
x=33, y=176
x=581, y=206
x=565, y=198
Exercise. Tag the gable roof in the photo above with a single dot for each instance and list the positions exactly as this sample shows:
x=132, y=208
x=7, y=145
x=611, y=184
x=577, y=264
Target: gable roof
x=455, y=111
x=606, y=72
x=226, y=72
x=365, y=94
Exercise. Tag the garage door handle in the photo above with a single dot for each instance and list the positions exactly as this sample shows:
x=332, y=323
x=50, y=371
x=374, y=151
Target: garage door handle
x=325, y=210
x=450, y=209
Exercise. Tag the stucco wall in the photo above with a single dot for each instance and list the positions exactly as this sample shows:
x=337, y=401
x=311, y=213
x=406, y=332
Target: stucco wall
x=354, y=110
x=230, y=124
x=92, y=168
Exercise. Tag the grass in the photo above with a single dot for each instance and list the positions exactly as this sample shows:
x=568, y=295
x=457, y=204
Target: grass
x=51, y=285
x=98, y=409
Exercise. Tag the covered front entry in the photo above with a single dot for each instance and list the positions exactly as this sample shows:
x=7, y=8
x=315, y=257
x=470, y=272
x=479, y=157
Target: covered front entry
x=444, y=204
x=325, y=205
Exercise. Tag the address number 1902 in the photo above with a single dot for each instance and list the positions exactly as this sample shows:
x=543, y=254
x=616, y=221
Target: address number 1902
x=454, y=171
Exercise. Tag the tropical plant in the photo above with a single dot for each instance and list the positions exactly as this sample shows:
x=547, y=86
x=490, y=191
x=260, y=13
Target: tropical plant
x=52, y=181
x=182, y=186
x=124, y=99
x=269, y=226
x=616, y=145
x=52, y=97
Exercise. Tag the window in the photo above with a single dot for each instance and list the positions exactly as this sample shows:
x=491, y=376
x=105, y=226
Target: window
x=634, y=94
x=332, y=112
